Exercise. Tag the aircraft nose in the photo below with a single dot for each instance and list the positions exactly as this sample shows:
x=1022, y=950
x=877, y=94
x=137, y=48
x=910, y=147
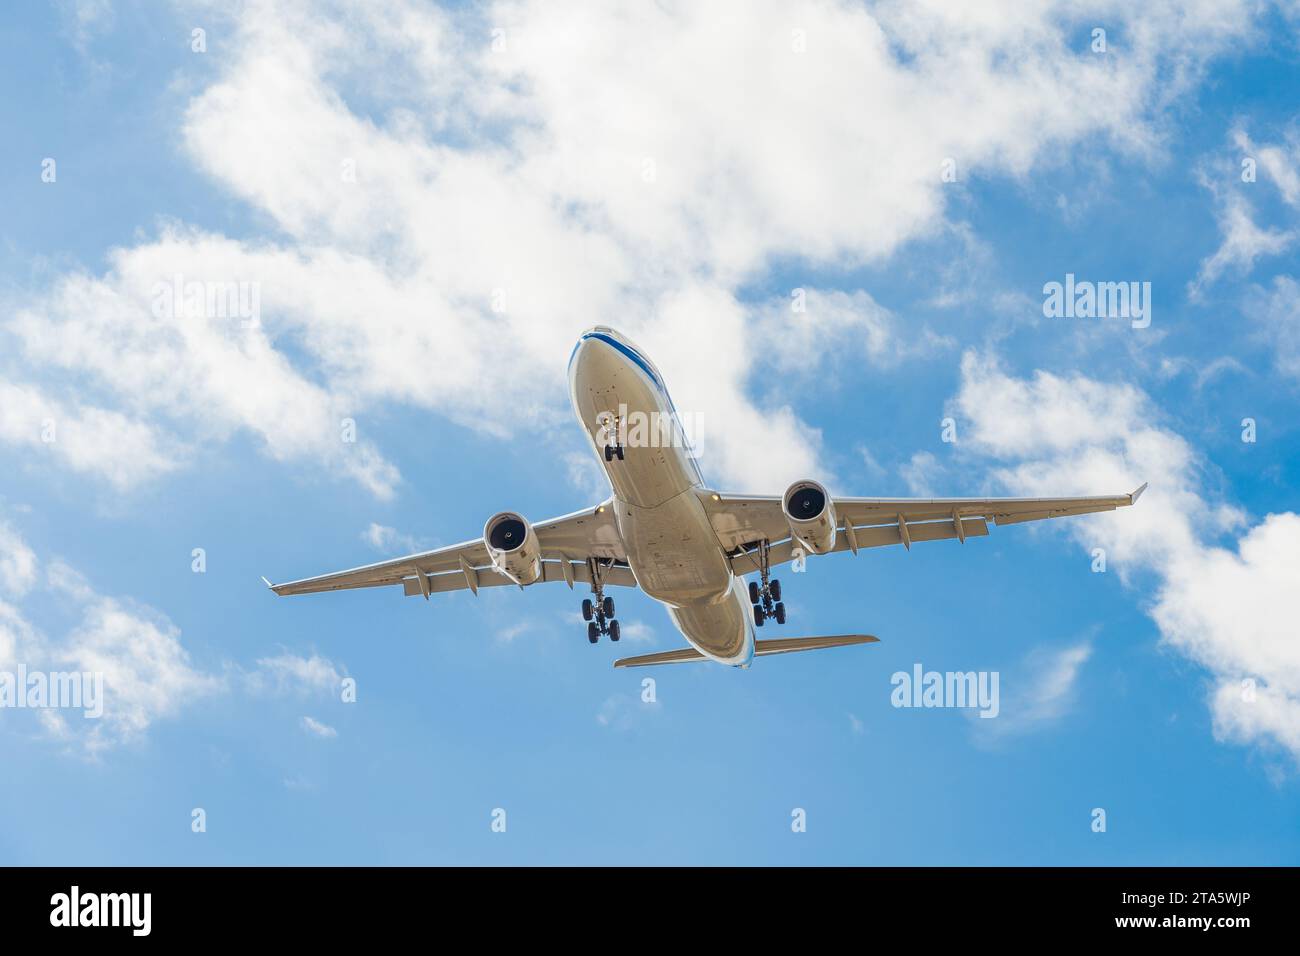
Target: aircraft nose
x=580, y=349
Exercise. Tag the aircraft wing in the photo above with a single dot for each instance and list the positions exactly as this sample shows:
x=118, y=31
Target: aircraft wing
x=565, y=542
x=741, y=521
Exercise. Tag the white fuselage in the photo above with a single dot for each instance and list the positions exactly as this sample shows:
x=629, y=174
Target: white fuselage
x=671, y=546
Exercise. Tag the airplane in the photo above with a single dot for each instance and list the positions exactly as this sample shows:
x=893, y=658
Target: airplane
x=666, y=531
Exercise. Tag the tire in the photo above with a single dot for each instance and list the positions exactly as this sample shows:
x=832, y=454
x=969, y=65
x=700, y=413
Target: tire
x=613, y=630
x=609, y=453
x=775, y=587
x=619, y=451
x=753, y=592
x=593, y=634
x=588, y=609
x=759, y=616
x=780, y=613
x=608, y=607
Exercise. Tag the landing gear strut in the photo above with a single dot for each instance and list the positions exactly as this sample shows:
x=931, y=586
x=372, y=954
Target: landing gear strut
x=614, y=431
x=766, y=597
x=599, y=614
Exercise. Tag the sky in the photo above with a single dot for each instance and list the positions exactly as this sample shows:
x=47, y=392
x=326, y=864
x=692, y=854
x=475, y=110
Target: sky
x=834, y=228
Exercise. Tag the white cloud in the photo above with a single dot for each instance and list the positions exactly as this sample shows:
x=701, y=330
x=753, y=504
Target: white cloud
x=388, y=540
x=85, y=20
x=146, y=673
x=586, y=476
x=314, y=727
x=1243, y=242
x=642, y=163
x=832, y=327
x=1041, y=693
x=919, y=473
x=1233, y=610
x=1280, y=162
x=1275, y=312
x=635, y=632
x=97, y=441
x=1230, y=609
x=293, y=673
x=17, y=563
x=508, y=633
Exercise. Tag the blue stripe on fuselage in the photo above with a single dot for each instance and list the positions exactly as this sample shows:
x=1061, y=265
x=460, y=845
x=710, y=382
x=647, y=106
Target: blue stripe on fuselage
x=631, y=353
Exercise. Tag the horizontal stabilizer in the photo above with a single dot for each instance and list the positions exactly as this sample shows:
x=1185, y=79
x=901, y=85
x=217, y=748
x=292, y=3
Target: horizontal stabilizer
x=780, y=645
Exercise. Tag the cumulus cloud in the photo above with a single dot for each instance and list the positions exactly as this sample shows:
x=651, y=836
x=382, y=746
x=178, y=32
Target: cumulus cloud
x=1229, y=608
x=147, y=674
x=441, y=249
x=84, y=438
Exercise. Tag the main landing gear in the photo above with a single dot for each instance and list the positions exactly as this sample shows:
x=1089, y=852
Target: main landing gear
x=599, y=614
x=766, y=598
x=614, y=432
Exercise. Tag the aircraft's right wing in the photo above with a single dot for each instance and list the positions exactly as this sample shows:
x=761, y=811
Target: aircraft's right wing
x=741, y=521
x=565, y=542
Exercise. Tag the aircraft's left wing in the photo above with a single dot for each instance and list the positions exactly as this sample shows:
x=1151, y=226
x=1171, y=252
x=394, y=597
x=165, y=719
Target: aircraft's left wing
x=741, y=521
x=565, y=542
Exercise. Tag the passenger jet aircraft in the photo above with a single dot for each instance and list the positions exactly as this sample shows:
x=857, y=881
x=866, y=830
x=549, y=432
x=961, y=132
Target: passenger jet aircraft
x=667, y=532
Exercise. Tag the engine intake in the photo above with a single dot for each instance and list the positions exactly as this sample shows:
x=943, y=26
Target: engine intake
x=512, y=546
x=811, y=515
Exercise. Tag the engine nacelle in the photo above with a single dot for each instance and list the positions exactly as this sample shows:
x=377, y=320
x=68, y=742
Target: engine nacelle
x=512, y=546
x=811, y=514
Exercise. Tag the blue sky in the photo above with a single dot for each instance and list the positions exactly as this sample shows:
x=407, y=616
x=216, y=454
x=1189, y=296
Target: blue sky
x=675, y=173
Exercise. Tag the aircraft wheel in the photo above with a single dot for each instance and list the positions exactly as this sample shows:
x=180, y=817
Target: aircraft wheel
x=619, y=451
x=613, y=630
x=753, y=592
x=593, y=632
x=609, y=453
x=609, y=607
x=759, y=616
x=780, y=613
x=587, y=609
x=775, y=588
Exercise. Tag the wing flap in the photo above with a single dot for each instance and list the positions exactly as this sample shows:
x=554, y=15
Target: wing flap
x=492, y=578
x=869, y=536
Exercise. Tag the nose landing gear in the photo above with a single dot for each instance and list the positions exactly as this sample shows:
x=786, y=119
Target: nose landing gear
x=614, y=431
x=599, y=614
x=766, y=597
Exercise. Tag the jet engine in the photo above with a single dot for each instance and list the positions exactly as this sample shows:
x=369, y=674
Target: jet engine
x=811, y=515
x=512, y=546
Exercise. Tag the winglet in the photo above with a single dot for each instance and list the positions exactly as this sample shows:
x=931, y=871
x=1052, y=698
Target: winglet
x=1132, y=499
x=266, y=582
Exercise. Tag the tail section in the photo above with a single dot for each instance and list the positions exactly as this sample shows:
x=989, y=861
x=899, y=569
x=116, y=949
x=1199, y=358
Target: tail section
x=780, y=645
